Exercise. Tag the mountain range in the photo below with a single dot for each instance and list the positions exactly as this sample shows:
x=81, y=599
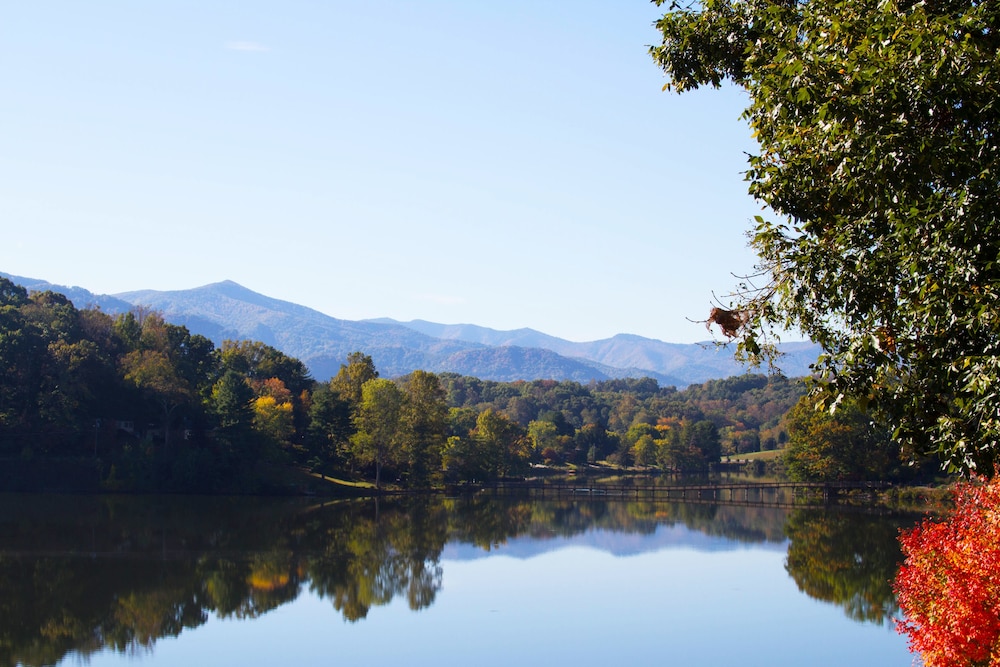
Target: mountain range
x=227, y=310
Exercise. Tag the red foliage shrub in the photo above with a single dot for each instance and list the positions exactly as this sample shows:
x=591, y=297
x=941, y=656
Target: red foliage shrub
x=949, y=585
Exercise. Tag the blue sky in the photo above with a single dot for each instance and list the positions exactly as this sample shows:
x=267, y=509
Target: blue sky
x=509, y=164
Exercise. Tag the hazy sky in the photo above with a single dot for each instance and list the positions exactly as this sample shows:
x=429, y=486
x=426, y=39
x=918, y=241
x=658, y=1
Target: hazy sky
x=509, y=164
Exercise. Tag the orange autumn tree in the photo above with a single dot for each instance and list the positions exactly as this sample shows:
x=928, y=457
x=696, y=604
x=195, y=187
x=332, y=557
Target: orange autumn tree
x=949, y=585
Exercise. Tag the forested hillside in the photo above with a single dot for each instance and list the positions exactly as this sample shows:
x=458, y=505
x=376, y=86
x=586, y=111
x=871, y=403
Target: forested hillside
x=145, y=405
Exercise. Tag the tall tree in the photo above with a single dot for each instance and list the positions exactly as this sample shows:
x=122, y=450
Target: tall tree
x=504, y=445
x=378, y=424
x=425, y=426
x=153, y=373
x=845, y=445
x=231, y=403
x=879, y=158
x=694, y=445
x=464, y=460
x=168, y=364
x=703, y=436
x=45, y=367
x=17, y=349
x=330, y=426
x=349, y=379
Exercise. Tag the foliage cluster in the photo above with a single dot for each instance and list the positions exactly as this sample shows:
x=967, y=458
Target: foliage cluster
x=845, y=445
x=948, y=586
x=879, y=157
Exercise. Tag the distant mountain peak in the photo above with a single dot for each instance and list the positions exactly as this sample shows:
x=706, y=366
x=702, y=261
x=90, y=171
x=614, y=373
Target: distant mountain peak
x=233, y=290
x=226, y=287
x=205, y=299
x=227, y=310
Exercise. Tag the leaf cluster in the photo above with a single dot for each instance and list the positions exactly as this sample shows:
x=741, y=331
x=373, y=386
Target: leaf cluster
x=947, y=586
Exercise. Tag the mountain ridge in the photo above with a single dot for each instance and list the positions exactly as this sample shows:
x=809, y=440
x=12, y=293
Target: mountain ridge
x=687, y=362
x=228, y=310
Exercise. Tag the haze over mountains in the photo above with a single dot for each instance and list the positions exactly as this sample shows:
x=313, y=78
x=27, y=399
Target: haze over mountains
x=227, y=310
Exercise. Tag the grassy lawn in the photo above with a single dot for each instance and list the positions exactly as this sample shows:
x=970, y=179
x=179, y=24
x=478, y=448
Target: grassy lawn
x=343, y=482
x=328, y=484
x=769, y=455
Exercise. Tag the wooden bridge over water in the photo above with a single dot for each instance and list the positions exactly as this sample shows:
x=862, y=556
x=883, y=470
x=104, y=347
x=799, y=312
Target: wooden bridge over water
x=725, y=493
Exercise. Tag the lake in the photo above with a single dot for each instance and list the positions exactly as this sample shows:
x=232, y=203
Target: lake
x=432, y=580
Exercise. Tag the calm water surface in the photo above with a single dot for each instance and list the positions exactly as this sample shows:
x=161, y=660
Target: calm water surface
x=485, y=581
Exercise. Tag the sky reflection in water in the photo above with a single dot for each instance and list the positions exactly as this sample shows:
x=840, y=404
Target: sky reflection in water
x=648, y=594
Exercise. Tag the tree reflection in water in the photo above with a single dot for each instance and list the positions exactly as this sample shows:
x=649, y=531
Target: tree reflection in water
x=847, y=558
x=84, y=574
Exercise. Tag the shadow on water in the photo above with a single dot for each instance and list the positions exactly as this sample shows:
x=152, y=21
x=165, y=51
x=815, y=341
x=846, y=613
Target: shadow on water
x=81, y=574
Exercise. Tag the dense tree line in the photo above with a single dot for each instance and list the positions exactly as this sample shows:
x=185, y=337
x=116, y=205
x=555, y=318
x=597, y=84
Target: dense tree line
x=158, y=408
x=633, y=422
